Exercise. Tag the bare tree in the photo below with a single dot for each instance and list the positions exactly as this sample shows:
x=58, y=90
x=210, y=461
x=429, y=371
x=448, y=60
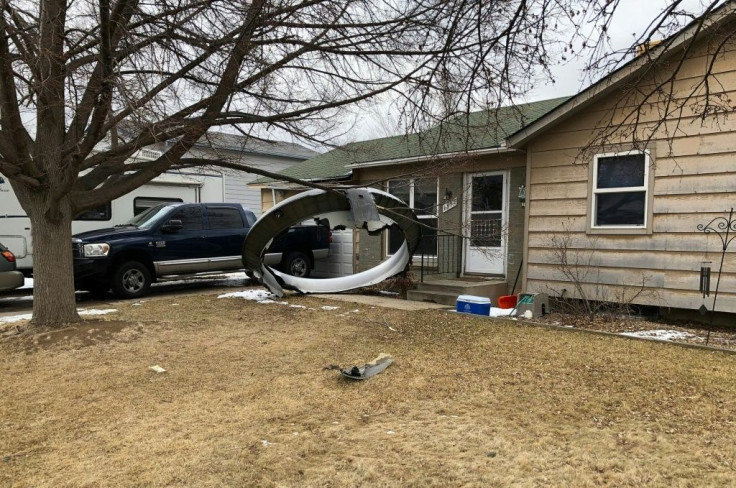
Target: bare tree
x=74, y=71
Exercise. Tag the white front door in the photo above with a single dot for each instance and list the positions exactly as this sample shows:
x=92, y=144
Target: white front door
x=485, y=223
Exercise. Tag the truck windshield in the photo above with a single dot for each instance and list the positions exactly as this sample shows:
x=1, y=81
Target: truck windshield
x=149, y=218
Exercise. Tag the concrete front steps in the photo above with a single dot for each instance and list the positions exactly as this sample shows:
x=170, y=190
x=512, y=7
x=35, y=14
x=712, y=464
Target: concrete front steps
x=447, y=291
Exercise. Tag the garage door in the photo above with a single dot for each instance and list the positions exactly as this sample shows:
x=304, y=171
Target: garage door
x=340, y=262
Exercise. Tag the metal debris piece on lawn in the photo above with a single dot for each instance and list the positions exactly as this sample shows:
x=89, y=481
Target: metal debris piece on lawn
x=368, y=370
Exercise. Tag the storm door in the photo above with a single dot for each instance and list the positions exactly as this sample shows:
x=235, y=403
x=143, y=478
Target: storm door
x=485, y=223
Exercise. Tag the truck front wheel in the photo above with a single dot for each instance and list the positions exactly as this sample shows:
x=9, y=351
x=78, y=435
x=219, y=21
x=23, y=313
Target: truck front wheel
x=298, y=264
x=131, y=279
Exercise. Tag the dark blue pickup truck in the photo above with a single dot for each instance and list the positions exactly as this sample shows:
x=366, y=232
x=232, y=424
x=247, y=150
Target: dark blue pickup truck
x=184, y=238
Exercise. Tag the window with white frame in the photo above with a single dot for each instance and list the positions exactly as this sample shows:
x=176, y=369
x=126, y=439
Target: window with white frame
x=620, y=187
x=421, y=195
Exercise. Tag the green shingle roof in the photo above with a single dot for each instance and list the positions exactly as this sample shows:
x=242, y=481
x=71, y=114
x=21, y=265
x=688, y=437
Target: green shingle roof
x=479, y=130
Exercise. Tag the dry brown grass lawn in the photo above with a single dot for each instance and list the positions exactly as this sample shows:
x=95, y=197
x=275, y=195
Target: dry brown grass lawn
x=245, y=401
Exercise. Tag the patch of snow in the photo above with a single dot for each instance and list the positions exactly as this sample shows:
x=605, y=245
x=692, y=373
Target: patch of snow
x=15, y=318
x=327, y=307
x=389, y=293
x=94, y=311
x=255, y=295
x=265, y=443
x=27, y=316
x=27, y=283
x=136, y=304
x=390, y=432
x=659, y=334
x=298, y=306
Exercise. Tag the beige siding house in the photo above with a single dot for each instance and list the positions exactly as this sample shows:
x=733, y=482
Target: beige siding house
x=620, y=177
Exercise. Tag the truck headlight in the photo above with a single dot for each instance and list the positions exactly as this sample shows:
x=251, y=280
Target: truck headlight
x=93, y=250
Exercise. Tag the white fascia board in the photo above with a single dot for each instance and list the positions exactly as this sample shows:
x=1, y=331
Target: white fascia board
x=415, y=159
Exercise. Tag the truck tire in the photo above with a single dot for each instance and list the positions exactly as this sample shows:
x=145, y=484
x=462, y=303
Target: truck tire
x=298, y=264
x=131, y=279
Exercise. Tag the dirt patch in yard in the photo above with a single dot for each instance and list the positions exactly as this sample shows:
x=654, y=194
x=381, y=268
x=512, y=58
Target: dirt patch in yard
x=246, y=401
x=89, y=333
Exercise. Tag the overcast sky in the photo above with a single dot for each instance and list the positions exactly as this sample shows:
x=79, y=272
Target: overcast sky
x=630, y=20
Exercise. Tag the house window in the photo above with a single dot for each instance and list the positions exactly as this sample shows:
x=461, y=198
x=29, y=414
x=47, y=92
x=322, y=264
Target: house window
x=620, y=186
x=103, y=212
x=421, y=195
x=141, y=204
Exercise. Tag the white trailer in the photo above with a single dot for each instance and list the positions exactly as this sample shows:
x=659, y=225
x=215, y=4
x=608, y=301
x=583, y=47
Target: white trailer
x=188, y=187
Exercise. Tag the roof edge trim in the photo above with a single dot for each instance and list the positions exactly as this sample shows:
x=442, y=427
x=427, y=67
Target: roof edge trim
x=613, y=80
x=414, y=159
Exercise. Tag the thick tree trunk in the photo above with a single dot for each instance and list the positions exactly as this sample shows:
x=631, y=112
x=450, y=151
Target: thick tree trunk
x=53, y=271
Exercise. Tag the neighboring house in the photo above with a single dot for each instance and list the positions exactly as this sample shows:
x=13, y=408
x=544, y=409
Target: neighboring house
x=191, y=185
x=269, y=156
x=612, y=203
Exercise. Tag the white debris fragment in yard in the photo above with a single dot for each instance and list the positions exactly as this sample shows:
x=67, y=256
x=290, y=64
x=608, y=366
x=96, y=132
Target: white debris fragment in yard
x=500, y=312
x=265, y=443
x=157, y=368
x=255, y=295
x=659, y=334
x=390, y=432
x=528, y=315
x=327, y=307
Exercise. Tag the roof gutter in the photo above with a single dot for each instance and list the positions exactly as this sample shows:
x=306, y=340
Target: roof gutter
x=617, y=78
x=415, y=159
x=254, y=151
x=282, y=185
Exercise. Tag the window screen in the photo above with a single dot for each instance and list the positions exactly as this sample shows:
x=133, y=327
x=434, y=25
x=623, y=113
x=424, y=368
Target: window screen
x=420, y=195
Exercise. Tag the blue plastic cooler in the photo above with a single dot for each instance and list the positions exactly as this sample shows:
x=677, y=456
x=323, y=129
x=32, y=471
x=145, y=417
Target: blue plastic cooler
x=474, y=305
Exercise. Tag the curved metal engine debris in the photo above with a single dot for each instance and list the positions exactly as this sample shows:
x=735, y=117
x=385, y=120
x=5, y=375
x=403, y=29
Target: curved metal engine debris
x=360, y=208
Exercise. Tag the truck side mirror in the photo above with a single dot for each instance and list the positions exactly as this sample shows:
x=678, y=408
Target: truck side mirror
x=172, y=226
